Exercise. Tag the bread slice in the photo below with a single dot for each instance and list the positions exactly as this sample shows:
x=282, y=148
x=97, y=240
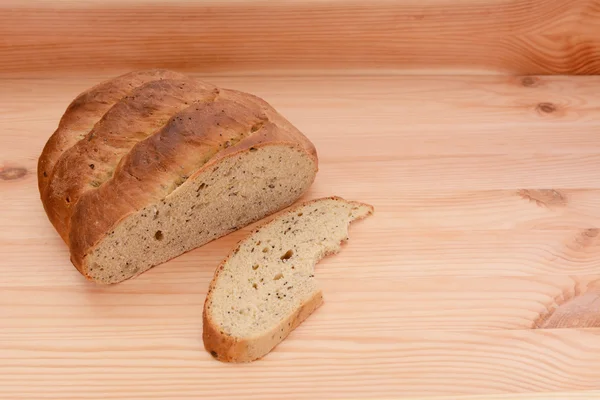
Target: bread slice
x=266, y=287
x=171, y=164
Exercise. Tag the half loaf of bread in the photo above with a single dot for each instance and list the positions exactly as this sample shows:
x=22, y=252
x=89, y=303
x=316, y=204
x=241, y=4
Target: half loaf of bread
x=266, y=287
x=154, y=163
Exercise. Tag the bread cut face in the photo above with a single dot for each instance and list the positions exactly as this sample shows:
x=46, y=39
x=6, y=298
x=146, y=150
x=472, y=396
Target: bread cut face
x=220, y=199
x=170, y=164
x=266, y=287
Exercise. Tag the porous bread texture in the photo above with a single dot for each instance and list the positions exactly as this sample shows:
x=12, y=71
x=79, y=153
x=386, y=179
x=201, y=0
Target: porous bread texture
x=151, y=164
x=266, y=287
x=238, y=191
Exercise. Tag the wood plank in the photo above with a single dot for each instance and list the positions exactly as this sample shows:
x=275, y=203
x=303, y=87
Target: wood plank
x=579, y=395
x=389, y=254
x=401, y=116
x=520, y=36
x=369, y=305
x=394, y=113
x=373, y=365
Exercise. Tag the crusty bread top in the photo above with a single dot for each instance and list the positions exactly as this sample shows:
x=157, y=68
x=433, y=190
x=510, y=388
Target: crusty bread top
x=146, y=145
x=91, y=162
x=86, y=110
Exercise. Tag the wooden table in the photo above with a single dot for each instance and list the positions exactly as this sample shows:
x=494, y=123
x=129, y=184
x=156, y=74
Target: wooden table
x=478, y=277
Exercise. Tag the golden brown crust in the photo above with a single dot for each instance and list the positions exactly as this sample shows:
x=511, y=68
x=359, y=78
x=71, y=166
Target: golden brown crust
x=227, y=348
x=221, y=346
x=148, y=143
x=86, y=110
x=90, y=162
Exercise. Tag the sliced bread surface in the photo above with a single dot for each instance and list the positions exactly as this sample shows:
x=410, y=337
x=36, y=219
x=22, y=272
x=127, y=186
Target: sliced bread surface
x=266, y=287
x=224, y=196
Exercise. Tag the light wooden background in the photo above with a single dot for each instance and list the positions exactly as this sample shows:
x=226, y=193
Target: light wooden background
x=478, y=277
x=238, y=36
x=486, y=228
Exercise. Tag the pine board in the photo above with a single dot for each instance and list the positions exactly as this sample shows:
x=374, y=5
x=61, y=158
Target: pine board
x=66, y=37
x=477, y=278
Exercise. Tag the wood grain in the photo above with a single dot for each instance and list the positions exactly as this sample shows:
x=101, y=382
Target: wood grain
x=477, y=278
x=482, y=36
x=308, y=366
x=381, y=304
x=579, y=395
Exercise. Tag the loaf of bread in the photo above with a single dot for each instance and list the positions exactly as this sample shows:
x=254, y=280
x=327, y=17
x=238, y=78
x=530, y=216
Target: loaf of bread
x=266, y=287
x=154, y=163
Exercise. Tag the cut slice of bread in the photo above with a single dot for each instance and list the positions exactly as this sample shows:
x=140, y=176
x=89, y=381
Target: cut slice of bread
x=265, y=288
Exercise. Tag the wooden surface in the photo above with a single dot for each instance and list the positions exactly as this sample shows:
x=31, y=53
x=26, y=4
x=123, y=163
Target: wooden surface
x=66, y=37
x=477, y=278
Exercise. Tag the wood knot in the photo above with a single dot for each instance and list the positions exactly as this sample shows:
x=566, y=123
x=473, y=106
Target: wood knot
x=544, y=197
x=586, y=239
x=546, y=108
x=591, y=232
x=530, y=81
x=580, y=311
x=12, y=173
